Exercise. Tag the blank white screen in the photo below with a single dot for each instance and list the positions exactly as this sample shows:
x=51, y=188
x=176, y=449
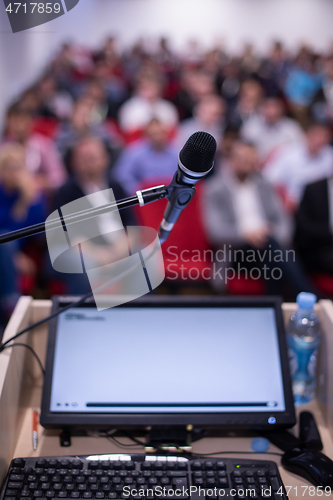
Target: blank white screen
x=186, y=359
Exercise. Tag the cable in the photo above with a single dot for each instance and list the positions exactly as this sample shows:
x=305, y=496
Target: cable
x=124, y=445
x=45, y=320
x=237, y=453
x=31, y=350
x=204, y=454
x=80, y=301
x=134, y=439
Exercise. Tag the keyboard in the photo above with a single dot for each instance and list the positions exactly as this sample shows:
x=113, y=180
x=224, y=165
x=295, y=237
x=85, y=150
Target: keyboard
x=140, y=477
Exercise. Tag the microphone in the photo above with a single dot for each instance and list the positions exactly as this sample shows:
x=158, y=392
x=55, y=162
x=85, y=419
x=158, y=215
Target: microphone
x=196, y=160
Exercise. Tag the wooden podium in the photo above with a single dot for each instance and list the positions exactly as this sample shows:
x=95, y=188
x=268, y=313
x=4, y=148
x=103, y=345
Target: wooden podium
x=21, y=385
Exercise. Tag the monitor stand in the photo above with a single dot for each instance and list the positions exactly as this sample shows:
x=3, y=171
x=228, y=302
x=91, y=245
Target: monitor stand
x=170, y=439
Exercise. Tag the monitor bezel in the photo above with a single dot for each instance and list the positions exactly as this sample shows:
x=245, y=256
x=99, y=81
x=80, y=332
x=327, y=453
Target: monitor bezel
x=107, y=420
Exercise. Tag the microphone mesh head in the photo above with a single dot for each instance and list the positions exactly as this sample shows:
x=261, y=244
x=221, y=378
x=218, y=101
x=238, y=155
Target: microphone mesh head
x=198, y=152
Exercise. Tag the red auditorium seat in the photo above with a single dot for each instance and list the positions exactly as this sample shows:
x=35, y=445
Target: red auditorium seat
x=324, y=282
x=184, y=251
x=243, y=286
x=188, y=241
x=46, y=126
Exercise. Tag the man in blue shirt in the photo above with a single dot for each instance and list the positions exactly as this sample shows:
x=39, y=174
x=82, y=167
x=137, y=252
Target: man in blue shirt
x=150, y=160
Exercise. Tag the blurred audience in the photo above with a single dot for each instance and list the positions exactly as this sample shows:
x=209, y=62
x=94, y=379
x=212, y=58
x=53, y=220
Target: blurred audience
x=111, y=117
x=242, y=211
x=146, y=104
x=21, y=205
x=301, y=163
x=250, y=96
x=91, y=173
x=82, y=124
x=151, y=159
x=42, y=157
x=208, y=117
x=271, y=129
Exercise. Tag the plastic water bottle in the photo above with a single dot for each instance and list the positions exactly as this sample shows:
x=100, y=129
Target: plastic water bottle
x=303, y=336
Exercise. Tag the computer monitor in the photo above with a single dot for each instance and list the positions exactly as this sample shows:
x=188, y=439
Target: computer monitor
x=169, y=361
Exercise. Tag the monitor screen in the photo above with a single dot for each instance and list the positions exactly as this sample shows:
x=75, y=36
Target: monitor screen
x=167, y=358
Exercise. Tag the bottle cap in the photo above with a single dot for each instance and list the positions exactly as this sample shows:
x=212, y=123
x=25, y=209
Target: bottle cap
x=306, y=300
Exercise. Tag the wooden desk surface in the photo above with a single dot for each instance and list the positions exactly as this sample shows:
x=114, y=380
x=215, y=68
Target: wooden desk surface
x=49, y=440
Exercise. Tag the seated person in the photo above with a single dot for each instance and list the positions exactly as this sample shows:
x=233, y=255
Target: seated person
x=271, y=129
x=146, y=104
x=90, y=167
x=301, y=163
x=21, y=205
x=80, y=125
x=208, y=117
x=314, y=227
x=250, y=95
x=91, y=173
x=152, y=158
x=244, y=216
x=42, y=158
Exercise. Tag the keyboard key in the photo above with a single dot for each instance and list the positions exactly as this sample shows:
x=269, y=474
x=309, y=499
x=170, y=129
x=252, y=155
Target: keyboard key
x=77, y=463
x=11, y=493
x=50, y=494
x=62, y=494
x=41, y=462
x=220, y=465
x=113, y=496
x=275, y=483
x=13, y=485
x=16, y=477
x=176, y=473
x=262, y=480
x=196, y=465
x=93, y=464
x=87, y=494
x=238, y=480
x=18, y=462
x=100, y=494
x=209, y=465
x=179, y=482
x=75, y=494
